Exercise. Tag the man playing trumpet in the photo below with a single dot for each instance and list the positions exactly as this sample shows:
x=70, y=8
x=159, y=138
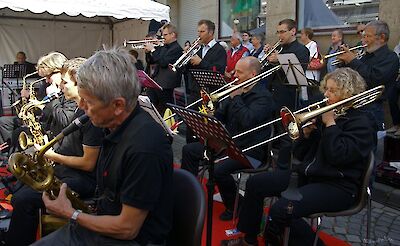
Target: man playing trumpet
x=379, y=66
x=245, y=109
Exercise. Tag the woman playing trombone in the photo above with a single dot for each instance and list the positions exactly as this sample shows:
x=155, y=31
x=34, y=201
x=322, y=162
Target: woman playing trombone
x=333, y=155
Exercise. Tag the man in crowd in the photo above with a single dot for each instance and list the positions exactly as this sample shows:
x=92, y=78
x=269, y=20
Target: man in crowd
x=134, y=169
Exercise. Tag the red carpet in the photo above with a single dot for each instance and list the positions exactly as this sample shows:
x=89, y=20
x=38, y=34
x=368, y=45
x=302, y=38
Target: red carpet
x=219, y=227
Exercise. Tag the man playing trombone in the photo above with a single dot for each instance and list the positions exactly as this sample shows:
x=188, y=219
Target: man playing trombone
x=333, y=152
x=163, y=56
x=244, y=109
x=379, y=66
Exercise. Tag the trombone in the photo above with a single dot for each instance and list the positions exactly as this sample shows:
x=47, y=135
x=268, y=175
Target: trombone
x=186, y=56
x=218, y=97
x=293, y=122
x=336, y=62
x=264, y=61
x=142, y=43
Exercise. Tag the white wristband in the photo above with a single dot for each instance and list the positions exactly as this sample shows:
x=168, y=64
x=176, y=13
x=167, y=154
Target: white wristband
x=75, y=214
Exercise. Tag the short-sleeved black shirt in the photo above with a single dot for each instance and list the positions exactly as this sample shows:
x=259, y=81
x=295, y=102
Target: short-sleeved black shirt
x=88, y=135
x=135, y=168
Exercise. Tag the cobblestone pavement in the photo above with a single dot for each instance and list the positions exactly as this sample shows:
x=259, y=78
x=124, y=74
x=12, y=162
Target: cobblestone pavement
x=385, y=228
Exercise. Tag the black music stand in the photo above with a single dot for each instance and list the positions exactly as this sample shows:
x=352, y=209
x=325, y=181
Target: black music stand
x=216, y=141
x=207, y=78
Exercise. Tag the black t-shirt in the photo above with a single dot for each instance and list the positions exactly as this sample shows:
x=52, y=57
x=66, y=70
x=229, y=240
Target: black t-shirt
x=88, y=135
x=135, y=168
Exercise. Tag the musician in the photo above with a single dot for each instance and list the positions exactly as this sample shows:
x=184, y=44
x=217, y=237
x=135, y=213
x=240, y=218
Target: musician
x=244, y=109
x=379, y=66
x=333, y=154
x=75, y=157
x=360, y=33
x=211, y=56
x=151, y=67
x=283, y=93
x=134, y=169
x=164, y=76
x=234, y=54
x=20, y=59
x=258, y=42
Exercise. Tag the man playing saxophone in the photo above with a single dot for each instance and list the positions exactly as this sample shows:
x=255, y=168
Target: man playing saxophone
x=75, y=162
x=134, y=169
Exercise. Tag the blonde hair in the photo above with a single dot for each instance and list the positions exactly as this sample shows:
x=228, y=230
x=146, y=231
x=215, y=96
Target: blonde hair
x=50, y=63
x=349, y=82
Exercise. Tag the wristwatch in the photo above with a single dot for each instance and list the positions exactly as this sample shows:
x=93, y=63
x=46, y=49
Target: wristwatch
x=75, y=214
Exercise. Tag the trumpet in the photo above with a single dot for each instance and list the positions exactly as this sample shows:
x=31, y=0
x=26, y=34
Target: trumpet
x=142, y=43
x=360, y=53
x=186, y=56
x=293, y=122
x=264, y=61
x=342, y=52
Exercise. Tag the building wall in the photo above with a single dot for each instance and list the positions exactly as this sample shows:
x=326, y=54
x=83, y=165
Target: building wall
x=389, y=12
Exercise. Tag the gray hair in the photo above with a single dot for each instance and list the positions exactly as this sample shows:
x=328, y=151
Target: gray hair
x=237, y=35
x=348, y=81
x=380, y=27
x=110, y=74
x=260, y=36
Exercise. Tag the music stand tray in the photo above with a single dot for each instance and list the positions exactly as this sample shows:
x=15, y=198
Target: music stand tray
x=207, y=78
x=216, y=141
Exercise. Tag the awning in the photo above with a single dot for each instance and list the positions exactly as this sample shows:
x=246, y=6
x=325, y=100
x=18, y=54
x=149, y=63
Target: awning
x=119, y=9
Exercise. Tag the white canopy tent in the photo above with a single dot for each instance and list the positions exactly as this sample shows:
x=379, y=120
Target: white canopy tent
x=74, y=27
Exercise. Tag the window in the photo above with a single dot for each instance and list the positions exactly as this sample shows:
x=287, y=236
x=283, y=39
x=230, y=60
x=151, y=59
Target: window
x=242, y=13
x=329, y=14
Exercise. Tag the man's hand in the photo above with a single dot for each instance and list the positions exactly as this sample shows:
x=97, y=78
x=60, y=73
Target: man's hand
x=61, y=206
x=273, y=58
x=229, y=74
x=148, y=47
x=328, y=118
x=347, y=56
x=195, y=60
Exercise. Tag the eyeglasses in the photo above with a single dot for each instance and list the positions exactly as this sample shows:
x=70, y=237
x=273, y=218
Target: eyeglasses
x=281, y=31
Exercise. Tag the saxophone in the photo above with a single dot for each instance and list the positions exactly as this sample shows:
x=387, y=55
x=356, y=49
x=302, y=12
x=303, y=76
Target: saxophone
x=27, y=114
x=22, y=101
x=36, y=172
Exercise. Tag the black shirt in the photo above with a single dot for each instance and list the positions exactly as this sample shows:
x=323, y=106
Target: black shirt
x=377, y=68
x=135, y=168
x=88, y=135
x=245, y=112
x=284, y=94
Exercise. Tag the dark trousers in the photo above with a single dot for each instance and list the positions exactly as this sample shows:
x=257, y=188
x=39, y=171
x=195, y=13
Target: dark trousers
x=393, y=98
x=317, y=197
x=26, y=203
x=192, y=154
x=160, y=98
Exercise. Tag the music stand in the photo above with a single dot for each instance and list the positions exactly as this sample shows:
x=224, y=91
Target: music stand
x=294, y=72
x=216, y=141
x=207, y=78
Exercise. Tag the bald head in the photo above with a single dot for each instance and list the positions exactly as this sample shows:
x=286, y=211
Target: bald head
x=247, y=68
